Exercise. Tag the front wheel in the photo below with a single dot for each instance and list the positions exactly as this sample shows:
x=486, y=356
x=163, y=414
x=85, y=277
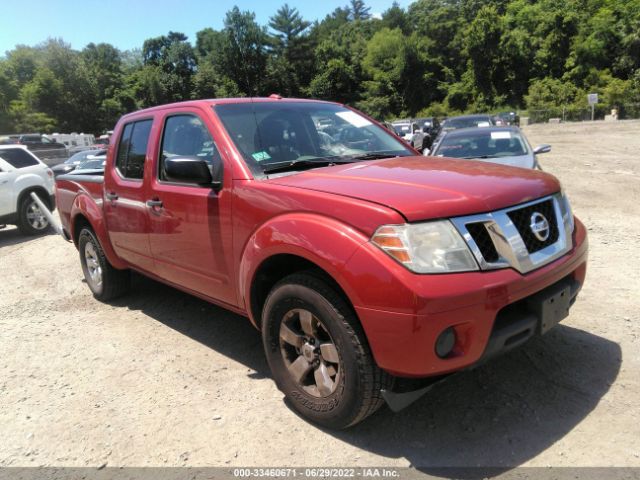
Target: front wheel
x=105, y=281
x=318, y=353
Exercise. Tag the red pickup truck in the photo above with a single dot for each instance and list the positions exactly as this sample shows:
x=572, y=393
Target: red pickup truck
x=370, y=270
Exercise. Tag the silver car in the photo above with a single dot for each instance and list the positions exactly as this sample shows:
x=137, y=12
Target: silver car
x=503, y=145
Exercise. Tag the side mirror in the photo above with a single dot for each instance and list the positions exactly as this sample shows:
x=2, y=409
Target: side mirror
x=189, y=170
x=542, y=149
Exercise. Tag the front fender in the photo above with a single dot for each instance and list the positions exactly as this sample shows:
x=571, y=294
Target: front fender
x=326, y=242
x=91, y=209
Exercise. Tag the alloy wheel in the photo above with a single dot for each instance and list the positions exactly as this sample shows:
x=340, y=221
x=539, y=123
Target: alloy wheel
x=35, y=217
x=93, y=265
x=309, y=353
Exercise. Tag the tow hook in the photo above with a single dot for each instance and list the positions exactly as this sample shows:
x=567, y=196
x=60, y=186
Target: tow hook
x=53, y=221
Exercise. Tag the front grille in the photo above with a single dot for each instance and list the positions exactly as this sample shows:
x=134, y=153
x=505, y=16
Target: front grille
x=481, y=236
x=522, y=219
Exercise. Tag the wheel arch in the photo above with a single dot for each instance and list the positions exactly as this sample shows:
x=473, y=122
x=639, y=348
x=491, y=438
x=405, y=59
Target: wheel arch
x=39, y=190
x=279, y=266
x=86, y=213
x=290, y=244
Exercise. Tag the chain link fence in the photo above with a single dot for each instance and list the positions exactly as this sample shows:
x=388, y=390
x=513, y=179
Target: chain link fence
x=572, y=113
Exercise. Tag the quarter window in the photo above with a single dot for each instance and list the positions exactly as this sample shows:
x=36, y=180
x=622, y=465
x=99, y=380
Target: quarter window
x=17, y=158
x=132, y=149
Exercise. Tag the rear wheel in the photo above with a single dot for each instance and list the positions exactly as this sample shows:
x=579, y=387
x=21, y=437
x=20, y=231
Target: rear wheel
x=31, y=220
x=105, y=281
x=318, y=353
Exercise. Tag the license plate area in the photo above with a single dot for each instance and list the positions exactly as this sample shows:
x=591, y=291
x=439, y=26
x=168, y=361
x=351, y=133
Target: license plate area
x=551, y=306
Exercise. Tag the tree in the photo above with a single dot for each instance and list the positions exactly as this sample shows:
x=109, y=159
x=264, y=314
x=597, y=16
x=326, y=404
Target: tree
x=396, y=17
x=289, y=65
x=359, y=11
x=244, y=51
x=175, y=59
x=482, y=46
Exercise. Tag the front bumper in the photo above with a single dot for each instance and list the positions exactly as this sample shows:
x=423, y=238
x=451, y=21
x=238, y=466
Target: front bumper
x=403, y=313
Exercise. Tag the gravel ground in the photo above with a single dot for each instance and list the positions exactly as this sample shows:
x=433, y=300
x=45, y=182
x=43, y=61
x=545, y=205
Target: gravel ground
x=160, y=378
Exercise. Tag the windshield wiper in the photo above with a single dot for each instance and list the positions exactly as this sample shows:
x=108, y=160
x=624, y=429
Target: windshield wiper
x=374, y=156
x=481, y=156
x=296, y=164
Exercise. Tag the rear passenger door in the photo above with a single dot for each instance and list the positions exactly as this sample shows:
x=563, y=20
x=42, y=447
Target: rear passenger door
x=190, y=235
x=124, y=203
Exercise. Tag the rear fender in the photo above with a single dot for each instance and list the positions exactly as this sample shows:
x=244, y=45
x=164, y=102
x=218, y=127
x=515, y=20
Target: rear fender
x=323, y=241
x=28, y=182
x=92, y=210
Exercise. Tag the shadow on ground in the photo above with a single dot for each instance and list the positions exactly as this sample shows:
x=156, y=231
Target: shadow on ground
x=12, y=236
x=499, y=415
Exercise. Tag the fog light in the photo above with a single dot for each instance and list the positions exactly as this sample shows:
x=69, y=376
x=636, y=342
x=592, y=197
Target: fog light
x=445, y=342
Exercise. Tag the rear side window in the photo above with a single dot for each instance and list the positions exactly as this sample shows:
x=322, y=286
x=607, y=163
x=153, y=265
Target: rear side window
x=17, y=158
x=132, y=149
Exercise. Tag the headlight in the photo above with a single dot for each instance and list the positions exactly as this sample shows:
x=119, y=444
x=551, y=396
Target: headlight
x=567, y=213
x=433, y=247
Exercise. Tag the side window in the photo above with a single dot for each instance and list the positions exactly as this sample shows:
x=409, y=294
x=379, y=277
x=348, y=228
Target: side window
x=123, y=149
x=17, y=158
x=187, y=136
x=132, y=149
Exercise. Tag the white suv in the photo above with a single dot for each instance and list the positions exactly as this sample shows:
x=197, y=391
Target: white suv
x=21, y=173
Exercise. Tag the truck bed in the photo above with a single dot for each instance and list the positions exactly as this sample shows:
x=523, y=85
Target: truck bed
x=70, y=186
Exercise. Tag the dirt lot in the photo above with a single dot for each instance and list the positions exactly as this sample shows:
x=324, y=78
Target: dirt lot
x=161, y=378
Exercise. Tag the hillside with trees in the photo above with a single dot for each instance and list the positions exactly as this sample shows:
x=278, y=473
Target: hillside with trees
x=435, y=57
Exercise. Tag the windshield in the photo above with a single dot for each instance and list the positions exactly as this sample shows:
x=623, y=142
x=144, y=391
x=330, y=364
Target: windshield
x=483, y=143
x=469, y=122
x=82, y=156
x=269, y=134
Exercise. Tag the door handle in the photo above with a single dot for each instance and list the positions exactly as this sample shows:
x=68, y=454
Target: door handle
x=154, y=203
x=111, y=196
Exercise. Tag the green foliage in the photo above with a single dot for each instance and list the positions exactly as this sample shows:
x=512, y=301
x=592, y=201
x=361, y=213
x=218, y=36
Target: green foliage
x=436, y=57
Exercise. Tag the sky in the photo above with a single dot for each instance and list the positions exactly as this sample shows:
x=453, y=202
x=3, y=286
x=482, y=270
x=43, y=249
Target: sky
x=127, y=24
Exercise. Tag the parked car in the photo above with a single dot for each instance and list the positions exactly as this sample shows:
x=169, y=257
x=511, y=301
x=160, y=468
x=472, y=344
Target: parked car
x=44, y=147
x=93, y=166
x=412, y=133
x=504, y=145
x=467, y=121
x=430, y=127
x=8, y=140
x=75, y=160
x=367, y=269
x=509, y=118
x=21, y=173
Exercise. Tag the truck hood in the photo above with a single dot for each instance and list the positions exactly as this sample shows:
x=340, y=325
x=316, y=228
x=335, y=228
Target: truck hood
x=423, y=188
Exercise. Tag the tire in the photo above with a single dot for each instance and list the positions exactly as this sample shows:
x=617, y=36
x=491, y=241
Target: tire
x=31, y=221
x=338, y=386
x=105, y=282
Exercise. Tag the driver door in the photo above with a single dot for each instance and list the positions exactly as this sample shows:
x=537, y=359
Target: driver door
x=190, y=225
